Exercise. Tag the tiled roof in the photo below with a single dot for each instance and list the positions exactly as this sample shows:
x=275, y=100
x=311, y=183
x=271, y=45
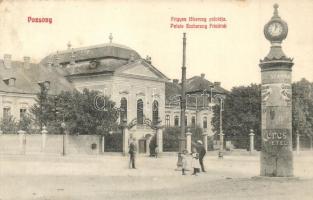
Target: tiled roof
x=194, y=87
x=27, y=78
x=199, y=84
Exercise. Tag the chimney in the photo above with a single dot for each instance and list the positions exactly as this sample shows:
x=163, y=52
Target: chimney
x=217, y=84
x=175, y=81
x=131, y=58
x=202, y=75
x=72, y=62
x=148, y=59
x=7, y=60
x=26, y=62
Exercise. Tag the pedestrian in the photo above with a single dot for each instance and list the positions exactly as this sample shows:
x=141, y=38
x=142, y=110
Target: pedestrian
x=132, y=154
x=156, y=151
x=195, y=161
x=202, y=152
x=184, y=161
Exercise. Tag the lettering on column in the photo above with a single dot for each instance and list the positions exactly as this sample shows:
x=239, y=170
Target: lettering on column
x=276, y=137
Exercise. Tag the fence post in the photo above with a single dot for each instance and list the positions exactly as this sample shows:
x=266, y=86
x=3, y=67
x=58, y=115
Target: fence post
x=22, y=141
x=125, y=136
x=298, y=143
x=102, y=143
x=251, y=141
x=43, y=138
x=188, y=141
x=159, y=136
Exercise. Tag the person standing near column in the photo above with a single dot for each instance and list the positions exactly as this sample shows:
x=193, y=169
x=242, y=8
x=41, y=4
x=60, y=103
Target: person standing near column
x=202, y=152
x=132, y=154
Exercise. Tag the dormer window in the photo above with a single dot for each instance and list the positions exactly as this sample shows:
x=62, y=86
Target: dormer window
x=10, y=81
x=93, y=64
x=45, y=85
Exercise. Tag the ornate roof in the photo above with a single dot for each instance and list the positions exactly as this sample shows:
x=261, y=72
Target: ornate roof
x=107, y=50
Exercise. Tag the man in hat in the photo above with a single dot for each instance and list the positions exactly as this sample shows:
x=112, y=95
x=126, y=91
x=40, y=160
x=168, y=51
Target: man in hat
x=202, y=152
x=132, y=154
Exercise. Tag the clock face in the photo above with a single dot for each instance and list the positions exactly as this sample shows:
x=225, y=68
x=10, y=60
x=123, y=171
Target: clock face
x=275, y=29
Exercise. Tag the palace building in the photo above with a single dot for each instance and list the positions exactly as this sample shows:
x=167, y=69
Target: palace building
x=134, y=83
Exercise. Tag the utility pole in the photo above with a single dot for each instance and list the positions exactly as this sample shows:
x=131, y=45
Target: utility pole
x=182, y=139
x=182, y=142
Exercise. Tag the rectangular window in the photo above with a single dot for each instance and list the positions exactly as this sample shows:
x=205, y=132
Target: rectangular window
x=205, y=122
x=167, y=121
x=6, y=112
x=193, y=121
x=22, y=112
x=176, y=121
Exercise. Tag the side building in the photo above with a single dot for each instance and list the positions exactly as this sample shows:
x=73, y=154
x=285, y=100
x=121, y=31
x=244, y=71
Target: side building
x=200, y=100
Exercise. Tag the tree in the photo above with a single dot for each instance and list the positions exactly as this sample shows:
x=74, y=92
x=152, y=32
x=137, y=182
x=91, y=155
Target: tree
x=302, y=99
x=78, y=111
x=25, y=123
x=242, y=112
x=8, y=125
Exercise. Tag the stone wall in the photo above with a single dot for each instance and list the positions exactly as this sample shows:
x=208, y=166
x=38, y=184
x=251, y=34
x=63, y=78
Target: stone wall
x=53, y=144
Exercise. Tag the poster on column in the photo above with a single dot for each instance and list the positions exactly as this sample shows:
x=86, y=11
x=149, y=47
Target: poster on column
x=96, y=98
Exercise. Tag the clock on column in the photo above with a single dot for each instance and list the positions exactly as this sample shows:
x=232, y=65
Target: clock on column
x=276, y=29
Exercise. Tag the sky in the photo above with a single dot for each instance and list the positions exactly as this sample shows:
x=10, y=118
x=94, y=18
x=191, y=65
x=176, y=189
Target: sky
x=229, y=55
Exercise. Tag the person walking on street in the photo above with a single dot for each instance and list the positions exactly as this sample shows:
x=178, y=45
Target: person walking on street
x=132, y=154
x=202, y=153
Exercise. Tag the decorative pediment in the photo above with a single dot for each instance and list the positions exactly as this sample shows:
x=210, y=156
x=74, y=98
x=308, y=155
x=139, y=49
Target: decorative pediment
x=142, y=69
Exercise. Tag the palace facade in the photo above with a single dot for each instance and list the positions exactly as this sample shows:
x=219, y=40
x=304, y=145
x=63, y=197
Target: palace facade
x=134, y=83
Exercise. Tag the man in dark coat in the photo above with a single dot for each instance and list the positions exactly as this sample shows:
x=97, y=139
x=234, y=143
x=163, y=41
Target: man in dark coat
x=132, y=154
x=202, y=152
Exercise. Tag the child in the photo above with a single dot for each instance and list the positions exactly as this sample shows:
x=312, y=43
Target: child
x=195, y=161
x=184, y=161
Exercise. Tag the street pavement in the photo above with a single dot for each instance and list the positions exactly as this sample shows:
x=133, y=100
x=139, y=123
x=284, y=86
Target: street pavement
x=50, y=177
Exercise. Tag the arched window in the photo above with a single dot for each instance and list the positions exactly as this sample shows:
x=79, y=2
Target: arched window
x=176, y=121
x=205, y=122
x=167, y=121
x=155, y=112
x=123, y=114
x=139, y=111
x=186, y=121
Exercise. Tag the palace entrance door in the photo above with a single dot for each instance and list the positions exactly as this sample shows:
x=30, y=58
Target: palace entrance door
x=142, y=146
